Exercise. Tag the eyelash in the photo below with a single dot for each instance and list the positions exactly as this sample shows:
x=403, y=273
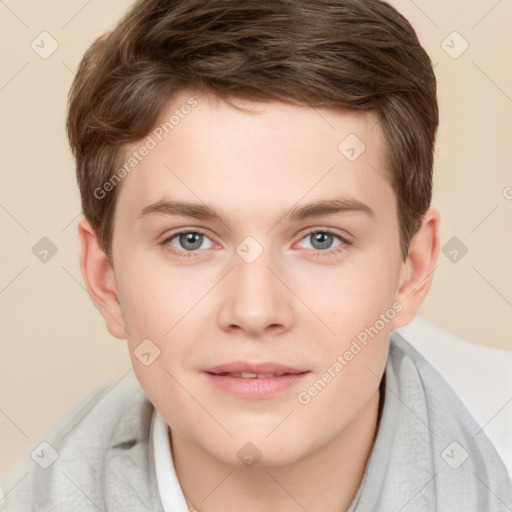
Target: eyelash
x=317, y=253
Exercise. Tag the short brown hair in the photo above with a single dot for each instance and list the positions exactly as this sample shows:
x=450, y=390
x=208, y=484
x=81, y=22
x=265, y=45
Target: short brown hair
x=355, y=54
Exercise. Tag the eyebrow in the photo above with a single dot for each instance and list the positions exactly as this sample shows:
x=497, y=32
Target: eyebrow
x=205, y=212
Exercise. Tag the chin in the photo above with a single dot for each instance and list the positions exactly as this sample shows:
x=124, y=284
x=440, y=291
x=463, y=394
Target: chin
x=266, y=453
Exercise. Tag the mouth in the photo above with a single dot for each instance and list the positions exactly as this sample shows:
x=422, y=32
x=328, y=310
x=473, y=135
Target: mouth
x=258, y=381
x=247, y=375
x=251, y=370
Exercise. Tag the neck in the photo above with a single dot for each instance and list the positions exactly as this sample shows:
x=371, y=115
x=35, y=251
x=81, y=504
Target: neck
x=325, y=480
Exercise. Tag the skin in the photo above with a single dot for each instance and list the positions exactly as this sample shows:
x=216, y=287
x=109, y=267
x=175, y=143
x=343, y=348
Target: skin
x=290, y=305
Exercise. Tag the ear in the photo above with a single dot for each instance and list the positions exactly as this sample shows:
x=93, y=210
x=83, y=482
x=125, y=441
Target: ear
x=99, y=279
x=417, y=270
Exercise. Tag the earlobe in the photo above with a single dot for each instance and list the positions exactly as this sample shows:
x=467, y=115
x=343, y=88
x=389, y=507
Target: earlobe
x=99, y=279
x=417, y=271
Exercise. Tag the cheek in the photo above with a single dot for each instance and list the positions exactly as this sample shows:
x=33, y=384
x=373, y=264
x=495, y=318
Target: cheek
x=154, y=297
x=351, y=297
x=352, y=361
x=159, y=304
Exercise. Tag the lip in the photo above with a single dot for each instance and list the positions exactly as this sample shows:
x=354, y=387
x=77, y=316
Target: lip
x=245, y=367
x=254, y=387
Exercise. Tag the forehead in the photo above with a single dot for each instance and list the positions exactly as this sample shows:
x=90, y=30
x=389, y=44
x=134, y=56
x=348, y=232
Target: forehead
x=265, y=155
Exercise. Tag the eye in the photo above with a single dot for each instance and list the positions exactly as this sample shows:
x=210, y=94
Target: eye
x=186, y=243
x=321, y=242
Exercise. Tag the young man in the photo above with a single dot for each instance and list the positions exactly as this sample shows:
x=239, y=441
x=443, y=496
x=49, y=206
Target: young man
x=256, y=183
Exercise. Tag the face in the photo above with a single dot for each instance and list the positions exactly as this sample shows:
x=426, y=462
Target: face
x=249, y=273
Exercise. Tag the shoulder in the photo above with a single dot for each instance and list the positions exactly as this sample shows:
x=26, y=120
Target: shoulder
x=75, y=461
x=461, y=454
x=418, y=382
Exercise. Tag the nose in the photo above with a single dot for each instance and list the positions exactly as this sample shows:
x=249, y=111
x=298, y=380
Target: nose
x=255, y=299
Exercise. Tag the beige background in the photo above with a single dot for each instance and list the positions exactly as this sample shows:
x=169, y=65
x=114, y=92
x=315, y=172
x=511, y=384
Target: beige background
x=54, y=345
